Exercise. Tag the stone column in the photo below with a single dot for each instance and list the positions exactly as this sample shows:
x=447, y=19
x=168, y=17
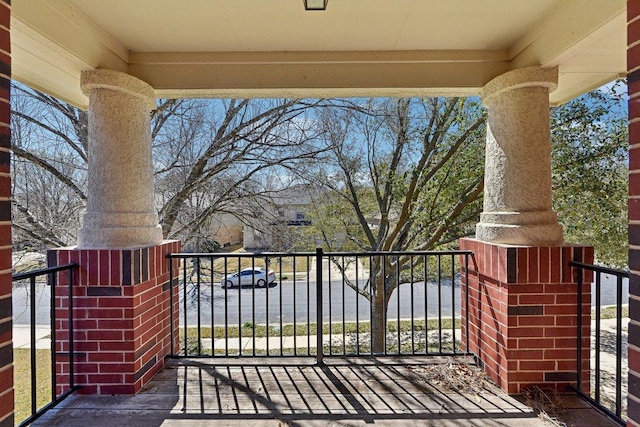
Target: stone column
x=120, y=207
x=517, y=194
x=122, y=290
x=522, y=290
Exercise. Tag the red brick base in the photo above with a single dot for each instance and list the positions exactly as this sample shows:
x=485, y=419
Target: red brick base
x=121, y=317
x=523, y=314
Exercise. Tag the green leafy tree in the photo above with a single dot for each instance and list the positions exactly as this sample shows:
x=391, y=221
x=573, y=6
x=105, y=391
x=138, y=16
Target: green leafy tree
x=590, y=172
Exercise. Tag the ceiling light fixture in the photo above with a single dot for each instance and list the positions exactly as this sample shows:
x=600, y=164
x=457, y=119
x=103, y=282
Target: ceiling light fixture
x=315, y=4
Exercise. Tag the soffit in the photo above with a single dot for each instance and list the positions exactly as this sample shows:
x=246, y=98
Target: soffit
x=284, y=25
x=236, y=48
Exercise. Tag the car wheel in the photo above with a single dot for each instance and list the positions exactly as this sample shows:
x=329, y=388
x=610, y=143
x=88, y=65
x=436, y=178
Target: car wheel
x=261, y=283
x=228, y=284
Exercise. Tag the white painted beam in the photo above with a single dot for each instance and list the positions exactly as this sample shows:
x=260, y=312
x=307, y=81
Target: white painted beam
x=43, y=65
x=52, y=43
x=318, y=74
x=67, y=27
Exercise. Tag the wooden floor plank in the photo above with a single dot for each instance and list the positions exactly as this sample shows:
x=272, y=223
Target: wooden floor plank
x=350, y=393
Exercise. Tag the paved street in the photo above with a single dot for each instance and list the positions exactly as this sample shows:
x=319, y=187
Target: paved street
x=291, y=302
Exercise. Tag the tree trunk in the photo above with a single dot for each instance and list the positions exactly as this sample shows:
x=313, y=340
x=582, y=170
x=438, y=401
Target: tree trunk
x=378, y=306
x=378, y=321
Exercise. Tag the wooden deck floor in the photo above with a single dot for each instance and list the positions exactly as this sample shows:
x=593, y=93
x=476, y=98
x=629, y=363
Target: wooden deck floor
x=280, y=393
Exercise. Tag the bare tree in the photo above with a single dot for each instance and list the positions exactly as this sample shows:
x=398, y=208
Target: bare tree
x=48, y=171
x=405, y=174
x=210, y=156
x=226, y=153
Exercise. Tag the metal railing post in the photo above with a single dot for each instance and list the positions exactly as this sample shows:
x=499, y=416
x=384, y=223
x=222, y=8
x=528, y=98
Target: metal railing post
x=319, y=309
x=53, y=324
x=466, y=302
x=171, y=332
x=52, y=281
x=32, y=340
x=619, y=347
x=71, y=332
x=579, y=343
x=613, y=408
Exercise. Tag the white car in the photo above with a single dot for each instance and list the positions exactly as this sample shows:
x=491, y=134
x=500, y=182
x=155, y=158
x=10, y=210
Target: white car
x=249, y=276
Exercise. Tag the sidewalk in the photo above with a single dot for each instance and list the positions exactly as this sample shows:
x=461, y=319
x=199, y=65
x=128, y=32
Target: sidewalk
x=303, y=341
x=329, y=269
x=22, y=336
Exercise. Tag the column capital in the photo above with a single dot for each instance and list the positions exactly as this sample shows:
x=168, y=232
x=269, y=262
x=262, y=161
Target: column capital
x=118, y=82
x=520, y=78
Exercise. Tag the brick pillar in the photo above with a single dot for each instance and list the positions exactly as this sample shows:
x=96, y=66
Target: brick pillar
x=523, y=313
x=121, y=316
x=633, y=66
x=6, y=348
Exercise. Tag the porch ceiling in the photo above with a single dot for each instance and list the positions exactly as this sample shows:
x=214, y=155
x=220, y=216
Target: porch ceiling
x=258, y=48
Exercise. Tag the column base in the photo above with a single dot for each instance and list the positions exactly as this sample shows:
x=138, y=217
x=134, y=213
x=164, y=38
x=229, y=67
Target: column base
x=523, y=314
x=520, y=228
x=119, y=237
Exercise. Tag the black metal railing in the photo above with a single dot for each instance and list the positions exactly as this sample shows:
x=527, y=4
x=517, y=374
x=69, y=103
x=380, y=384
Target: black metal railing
x=319, y=304
x=609, y=345
x=39, y=404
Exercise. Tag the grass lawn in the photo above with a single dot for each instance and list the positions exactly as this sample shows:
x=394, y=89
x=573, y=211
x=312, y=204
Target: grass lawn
x=304, y=329
x=610, y=312
x=249, y=330
x=22, y=381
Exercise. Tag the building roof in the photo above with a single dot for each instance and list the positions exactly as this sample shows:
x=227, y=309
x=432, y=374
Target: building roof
x=295, y=195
